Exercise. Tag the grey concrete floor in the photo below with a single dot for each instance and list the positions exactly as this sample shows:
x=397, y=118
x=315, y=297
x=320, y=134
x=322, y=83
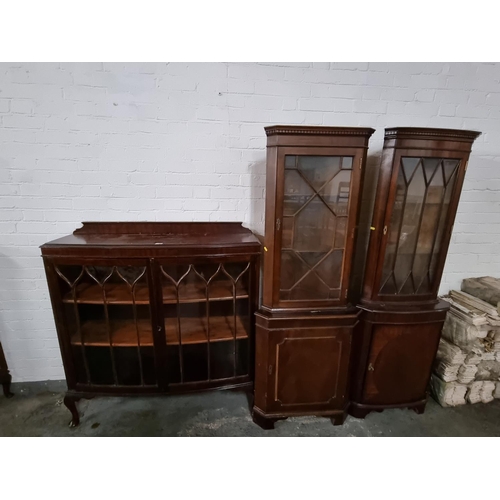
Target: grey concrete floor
x=37, y=410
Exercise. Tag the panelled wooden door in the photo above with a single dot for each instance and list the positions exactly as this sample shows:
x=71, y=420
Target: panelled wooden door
x=399, y=362
x=315, y=221
x=308, y=369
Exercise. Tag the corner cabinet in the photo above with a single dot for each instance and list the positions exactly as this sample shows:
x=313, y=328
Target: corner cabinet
x=420, y=181
x=154, y=308
x=305, y=323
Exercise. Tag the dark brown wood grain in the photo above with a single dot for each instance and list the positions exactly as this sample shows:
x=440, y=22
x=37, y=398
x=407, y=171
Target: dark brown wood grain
x=311, y=141
x=393, y=352
x=424, y=143
x=302, y=366
x=395, y=342
x=303, y=346
x=121, y=337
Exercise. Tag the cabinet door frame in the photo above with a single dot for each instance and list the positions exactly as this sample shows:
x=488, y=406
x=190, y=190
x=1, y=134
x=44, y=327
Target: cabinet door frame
x=343, y=335
x=358, y=155
x=253, y=260
x=432, y=329
x=64, y=333
x=447, y=229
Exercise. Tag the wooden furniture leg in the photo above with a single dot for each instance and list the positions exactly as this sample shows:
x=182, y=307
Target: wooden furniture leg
x=339, y=419
x=263, y=422
x=5, y=376
x=70, y=403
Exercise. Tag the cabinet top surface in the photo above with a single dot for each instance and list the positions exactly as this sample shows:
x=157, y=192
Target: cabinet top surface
x=157, y=235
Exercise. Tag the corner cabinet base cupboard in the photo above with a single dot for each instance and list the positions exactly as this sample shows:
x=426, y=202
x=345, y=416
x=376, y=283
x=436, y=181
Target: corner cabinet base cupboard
x=154, y=308
x=306, y=320
x=394, y=350
x=421, y=177
x=302, y=365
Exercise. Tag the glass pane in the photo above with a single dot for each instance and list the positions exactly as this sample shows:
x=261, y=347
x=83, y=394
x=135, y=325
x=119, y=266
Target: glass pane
x=347, y=162
x=109, y=318
x=340, y=232
x=287, y=232
x=430, y=218
x=315, y=209
x=331, y=269
x=297, y=192
x=314, y=227
x=388, y=280
x=336, y=192
x=423, y=194
x=450, y=170
x=206, y=313
x=318, y=170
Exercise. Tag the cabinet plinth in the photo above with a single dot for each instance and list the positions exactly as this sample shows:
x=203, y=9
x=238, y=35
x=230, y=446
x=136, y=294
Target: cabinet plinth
x=153, y=308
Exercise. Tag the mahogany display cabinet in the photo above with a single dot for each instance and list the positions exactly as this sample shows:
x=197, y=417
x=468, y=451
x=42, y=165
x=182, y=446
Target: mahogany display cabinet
x=154, y=308
x=395, y=342
x=305, y=323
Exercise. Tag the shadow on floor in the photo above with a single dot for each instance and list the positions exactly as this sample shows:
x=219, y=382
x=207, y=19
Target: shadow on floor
x=37, y=410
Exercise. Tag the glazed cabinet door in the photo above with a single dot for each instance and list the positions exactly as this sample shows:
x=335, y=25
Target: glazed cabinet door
x=308, y=369
x=400, y=362
x=105, y=323
x=317, y=193
x=205, y=313
x=418, y=223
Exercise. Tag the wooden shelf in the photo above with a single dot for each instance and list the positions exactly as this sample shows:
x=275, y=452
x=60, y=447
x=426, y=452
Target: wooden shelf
x=194, y=331
x=123, y=333
x=193, y=292
x=119, y=294
x=115, y=294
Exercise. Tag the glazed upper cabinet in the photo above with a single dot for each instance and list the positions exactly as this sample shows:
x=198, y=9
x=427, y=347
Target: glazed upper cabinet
x=314, y=177
x=421, y=178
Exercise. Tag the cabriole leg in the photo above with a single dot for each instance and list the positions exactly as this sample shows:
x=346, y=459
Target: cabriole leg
x=70, y=403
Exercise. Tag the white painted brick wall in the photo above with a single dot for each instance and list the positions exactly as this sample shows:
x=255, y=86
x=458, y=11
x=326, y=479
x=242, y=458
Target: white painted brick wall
x=161, y=141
